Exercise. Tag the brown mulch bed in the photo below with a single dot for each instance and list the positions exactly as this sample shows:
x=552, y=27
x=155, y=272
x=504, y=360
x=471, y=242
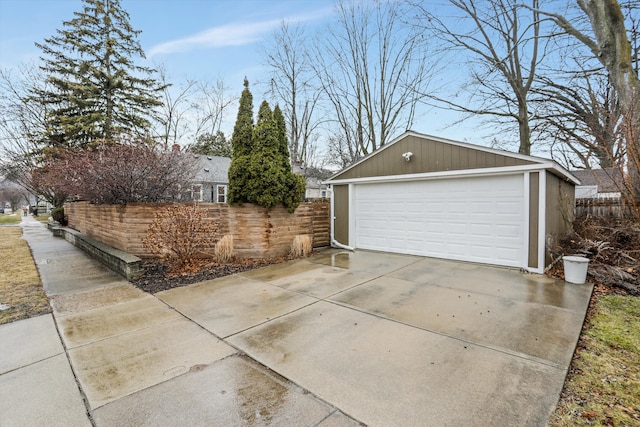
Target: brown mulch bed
x=157, y=276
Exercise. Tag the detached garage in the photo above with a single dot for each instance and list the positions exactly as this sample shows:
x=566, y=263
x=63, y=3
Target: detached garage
x=428, y=196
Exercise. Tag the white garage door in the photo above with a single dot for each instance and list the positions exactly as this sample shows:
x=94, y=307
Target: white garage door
x=469, y=219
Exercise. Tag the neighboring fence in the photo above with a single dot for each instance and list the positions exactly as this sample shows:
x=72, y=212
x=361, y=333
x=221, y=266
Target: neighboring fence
x=257, y=232
x=601, y=207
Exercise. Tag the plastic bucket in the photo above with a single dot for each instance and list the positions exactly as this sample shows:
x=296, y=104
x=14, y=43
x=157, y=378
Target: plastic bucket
x=575, y=269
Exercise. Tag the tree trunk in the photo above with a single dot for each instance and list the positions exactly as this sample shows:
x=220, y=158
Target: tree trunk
x=613, y=50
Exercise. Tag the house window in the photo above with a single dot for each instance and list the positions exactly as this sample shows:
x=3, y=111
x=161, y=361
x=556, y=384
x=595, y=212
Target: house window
x=196, y=193
x=221, y=194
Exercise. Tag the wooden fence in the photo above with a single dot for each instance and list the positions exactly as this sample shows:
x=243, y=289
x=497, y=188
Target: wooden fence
x=257, y=232
x=601, y=207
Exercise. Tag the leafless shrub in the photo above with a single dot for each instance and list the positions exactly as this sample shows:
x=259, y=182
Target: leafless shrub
x=301, y=245
x=224, y=249
x=117, y=173
x=178, y=234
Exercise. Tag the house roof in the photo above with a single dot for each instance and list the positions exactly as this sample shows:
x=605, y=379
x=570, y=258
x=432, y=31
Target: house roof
x=607, y=180
x=488, y=158
x=212, y=168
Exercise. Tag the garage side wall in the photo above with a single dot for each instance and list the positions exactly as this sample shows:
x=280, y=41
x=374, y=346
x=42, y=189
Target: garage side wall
x=560, y=204
x=428, y=156
x=341, y=213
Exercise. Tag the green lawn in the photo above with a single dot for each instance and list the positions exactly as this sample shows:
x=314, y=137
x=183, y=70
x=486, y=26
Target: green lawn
x=603, y=385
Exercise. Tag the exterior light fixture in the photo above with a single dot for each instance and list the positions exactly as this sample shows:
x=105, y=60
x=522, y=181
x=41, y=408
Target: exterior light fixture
x=407, y=156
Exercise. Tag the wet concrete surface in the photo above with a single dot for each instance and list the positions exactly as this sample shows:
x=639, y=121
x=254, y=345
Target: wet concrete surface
x=42, y=394
x=384, y=373
x=336, y=339
x=113, y=368
x=474, y=317
x=234, y=391
x=232, y=304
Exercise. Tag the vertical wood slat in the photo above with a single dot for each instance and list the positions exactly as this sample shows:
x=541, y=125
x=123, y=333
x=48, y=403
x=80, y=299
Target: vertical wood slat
x=257, y=231
x=601, y=207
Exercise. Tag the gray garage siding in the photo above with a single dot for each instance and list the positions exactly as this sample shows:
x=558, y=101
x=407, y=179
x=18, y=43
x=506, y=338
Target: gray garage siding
x=341, y=213
x=559, y=215
x=429, y=155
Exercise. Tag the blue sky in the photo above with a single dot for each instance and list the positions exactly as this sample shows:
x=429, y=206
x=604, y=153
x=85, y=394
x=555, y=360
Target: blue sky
x=192, y=38
x=195, y=39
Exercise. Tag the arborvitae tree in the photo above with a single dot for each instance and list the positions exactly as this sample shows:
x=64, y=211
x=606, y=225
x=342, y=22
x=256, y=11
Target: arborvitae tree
x=243, y=129
x=97, y=91
x=241, y=142
x=268, y=176
x=295, y=185
x=262, y=174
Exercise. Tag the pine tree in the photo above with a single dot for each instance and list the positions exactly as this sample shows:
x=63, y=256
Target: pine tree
x=212, y=145
x=97, y=91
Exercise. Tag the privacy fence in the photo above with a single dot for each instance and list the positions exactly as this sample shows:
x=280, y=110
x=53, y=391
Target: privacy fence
x=257, y=231
x=601, y=207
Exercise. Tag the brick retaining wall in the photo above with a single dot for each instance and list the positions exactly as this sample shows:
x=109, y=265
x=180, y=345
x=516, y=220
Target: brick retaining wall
x=257, y=232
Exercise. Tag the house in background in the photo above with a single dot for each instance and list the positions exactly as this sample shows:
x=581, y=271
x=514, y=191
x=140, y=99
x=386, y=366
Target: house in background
x=599, y=183
x=316, y=188
x=212, y=179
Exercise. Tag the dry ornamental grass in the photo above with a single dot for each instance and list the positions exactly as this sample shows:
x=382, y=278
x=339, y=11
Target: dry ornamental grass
x=20, y=286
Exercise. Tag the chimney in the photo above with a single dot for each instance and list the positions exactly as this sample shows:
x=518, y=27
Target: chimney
x=175, y=147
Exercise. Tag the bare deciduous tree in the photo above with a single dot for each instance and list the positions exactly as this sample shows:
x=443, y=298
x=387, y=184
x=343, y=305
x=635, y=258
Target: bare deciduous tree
x=210, y=105
x=609, y=44
x=190, y=110
x=371, y=69
x=172, y=115
x=582, y=119
x=22, y=118
x=291, y=82
x=504, y=40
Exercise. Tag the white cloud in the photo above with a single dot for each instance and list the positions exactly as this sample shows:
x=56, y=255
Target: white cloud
x=235, y=34
x=225, y=35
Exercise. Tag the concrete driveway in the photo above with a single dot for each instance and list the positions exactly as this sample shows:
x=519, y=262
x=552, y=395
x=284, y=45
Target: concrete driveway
x=337, y=339
x=401, y=340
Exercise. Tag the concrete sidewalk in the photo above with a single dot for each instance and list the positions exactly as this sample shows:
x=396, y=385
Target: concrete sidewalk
x=128, y=348
x=37, y=384
x=339, y=339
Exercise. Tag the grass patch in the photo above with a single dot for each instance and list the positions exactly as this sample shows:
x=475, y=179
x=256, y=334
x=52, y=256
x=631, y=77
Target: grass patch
x=43, y=218
x=603, y=385
x=20, y=286
x=10, y=219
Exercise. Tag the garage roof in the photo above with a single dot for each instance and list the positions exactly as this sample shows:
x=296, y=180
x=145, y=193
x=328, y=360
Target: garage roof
x=434, y=156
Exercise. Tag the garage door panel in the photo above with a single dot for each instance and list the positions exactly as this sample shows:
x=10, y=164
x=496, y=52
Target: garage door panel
x=472, y=219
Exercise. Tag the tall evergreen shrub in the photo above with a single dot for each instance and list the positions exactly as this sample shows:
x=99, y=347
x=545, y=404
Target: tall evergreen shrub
x=260, y=170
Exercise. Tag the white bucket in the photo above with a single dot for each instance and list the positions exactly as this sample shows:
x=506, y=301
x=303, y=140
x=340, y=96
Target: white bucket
x=575, y=269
